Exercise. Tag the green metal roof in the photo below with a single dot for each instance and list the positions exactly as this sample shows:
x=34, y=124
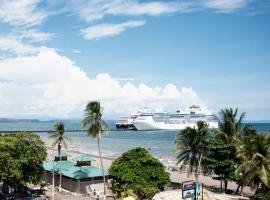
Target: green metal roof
x=65, y=164
x=70, y=170
x=83, y=172
x=83, y=158
x=62, y=154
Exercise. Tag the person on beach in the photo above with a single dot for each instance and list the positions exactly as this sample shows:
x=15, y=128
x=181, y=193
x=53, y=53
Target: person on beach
x=97, y=198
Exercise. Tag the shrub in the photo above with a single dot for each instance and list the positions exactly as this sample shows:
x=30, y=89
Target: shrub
x=139, y=171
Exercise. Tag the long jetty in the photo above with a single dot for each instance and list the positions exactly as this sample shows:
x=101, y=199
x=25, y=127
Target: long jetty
x=41, y=131
x=47, y=131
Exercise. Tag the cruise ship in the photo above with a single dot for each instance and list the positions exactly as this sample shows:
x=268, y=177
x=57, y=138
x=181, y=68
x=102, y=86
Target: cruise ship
x=177, y=121
x=125, y=122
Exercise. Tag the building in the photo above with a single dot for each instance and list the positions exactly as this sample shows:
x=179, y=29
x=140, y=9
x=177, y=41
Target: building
x=76, y=176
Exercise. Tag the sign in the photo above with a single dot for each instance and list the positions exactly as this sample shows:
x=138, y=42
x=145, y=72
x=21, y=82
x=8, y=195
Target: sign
x=189, y=189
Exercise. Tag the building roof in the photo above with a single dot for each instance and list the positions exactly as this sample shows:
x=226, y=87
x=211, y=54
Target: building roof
x=70, y=170
x=83, y=172
x=83, y=158
x=48, y=166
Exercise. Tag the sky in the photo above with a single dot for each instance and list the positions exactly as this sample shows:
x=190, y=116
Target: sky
x=55, y=56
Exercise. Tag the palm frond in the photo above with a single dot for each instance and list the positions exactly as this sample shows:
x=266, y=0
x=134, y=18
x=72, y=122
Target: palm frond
x=55, y=142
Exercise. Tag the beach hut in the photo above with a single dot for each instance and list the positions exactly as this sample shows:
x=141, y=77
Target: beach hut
x=76, y=176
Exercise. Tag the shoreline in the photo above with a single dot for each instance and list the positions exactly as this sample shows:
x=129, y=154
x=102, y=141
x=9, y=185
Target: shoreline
x=79, y=152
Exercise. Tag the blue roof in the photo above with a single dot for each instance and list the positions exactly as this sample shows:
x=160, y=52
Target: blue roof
x=70, y=170
x=65, y=164
x=83, y=158
x=83, y=172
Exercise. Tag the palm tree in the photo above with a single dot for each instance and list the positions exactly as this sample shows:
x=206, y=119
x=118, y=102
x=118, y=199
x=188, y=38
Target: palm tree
x=254, y=154
x=96, y=126
x=190, y=147
x=59, y=140
x=229, y=131
x=229, y=126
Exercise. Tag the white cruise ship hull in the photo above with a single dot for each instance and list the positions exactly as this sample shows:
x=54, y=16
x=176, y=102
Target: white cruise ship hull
x=147, y=123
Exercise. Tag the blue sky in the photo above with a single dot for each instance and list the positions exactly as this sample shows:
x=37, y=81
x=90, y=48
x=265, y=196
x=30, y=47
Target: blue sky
x=57, y=56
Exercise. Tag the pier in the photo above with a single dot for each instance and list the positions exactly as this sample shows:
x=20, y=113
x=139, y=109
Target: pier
x=42, y=131
x=48, y=131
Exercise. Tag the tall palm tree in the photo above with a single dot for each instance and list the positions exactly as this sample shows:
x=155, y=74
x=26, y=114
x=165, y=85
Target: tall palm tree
x=190, y=147
x=229, y=126
x=59, y=140
x=96, y=126
x=254, y=155
x=229, y=131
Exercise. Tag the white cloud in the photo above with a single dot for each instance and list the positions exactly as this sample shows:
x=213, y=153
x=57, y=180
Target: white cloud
x=153, y=8
x=36, y=36
x=15, y=46
x=225, y=5
x=21, y=12
x=106, y=30
x=51, y=85
x=94, y=10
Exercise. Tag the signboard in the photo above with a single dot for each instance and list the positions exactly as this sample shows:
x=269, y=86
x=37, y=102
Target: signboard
x=189, y=189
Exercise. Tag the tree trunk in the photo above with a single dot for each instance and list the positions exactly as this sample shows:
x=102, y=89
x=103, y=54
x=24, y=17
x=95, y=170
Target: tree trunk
x=60, y=170
x=226, y=185
x=101, y=166
x=221, y=184
x=53, y=179
x=197, y=174
x=237, y=190
x=242, y=187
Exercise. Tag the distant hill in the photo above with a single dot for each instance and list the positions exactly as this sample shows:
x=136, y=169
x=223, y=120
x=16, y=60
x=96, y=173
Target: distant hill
x=8, y=120
x=256, y=121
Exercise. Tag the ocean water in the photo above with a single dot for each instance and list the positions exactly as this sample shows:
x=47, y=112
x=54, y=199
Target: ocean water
x=113, y=143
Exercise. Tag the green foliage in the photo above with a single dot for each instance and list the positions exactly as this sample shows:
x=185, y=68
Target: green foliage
x=128, y=193
x=254, y=154
x=139, y=171
x=190, y=145
x=219, y=159
x=93, y=119
x=59, y=136
x=262, y=193
x=226, y=140
x=229, y=126
x=21, y=156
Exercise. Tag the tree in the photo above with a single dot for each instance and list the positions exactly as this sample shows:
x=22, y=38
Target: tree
x=254, y=155
x=229, y=131
x=229, y=126
x=21, y=156
x=59, y=140
x=190, y=147
x=96, y=126
x=138, y=171
x=218, y=159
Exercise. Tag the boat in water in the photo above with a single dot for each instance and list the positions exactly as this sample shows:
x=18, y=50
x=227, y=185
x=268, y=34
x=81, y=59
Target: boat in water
x=125, y=123
x=169, y=121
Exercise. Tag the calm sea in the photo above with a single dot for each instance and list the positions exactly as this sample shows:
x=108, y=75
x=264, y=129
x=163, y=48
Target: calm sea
x=113, y=143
